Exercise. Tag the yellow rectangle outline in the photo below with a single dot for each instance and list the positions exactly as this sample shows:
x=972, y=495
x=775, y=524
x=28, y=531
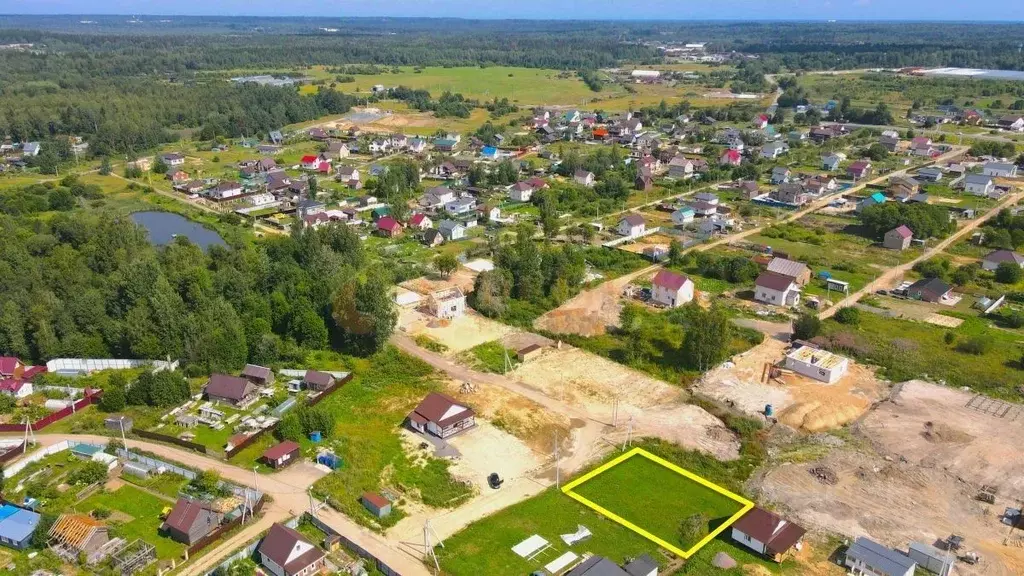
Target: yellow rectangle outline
x=685, y=554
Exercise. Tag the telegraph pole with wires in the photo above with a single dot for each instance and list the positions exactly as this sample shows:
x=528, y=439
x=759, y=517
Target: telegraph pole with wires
x=558, y=471
x=429, y=536
x=28, y=433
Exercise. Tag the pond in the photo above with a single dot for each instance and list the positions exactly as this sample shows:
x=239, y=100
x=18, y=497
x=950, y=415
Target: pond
x=163, y=227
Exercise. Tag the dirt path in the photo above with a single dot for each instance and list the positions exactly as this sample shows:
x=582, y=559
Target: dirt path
x=887, y=277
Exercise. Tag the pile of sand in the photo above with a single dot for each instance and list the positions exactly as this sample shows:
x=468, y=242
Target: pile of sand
x=813, y=416
x=940, y=433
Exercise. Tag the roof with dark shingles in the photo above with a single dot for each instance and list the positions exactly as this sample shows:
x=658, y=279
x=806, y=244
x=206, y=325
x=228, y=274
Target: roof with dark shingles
x=774, y=281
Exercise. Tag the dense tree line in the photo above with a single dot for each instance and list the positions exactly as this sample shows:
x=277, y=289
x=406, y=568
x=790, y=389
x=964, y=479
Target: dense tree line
x=83, y=284
x=925, y=220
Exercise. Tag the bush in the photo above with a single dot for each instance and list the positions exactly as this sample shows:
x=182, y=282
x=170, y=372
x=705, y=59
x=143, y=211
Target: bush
x=807, y=326
x=949, y=338
x=1009, y=273
x=91, y=473
x=848, y=315
x=693, y=528
x=977, y=345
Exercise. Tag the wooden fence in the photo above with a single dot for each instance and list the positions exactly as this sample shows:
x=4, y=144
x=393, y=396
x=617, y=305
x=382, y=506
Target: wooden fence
x=55, y=416
x=170, y=439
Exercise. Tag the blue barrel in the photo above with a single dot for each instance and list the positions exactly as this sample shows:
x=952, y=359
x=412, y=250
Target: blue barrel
x=314, y=436
x=768, y=410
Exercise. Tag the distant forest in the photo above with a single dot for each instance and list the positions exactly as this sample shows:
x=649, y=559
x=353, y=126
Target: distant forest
x=131, y=86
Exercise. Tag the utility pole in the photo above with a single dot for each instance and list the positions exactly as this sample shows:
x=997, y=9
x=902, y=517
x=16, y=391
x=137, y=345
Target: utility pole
x=428, y=544
x=255, y=479
x=124, y=440
x=558, y=474
x=629, y=434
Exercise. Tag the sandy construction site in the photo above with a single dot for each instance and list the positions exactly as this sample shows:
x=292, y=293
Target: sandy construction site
x=798, y=401
x=590, y=312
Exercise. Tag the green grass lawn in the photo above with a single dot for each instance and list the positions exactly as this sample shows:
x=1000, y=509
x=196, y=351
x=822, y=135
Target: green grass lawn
x=484, y=547
x=144, y=508
x=370, y=409
x=906, y=349
x=657, y=499
x=490, y=357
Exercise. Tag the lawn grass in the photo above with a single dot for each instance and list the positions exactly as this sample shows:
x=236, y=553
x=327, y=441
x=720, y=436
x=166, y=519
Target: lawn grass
x=906, y=349
x=490, y=357
x=145, y=510
x=672, y=495
x=370, y=409
x=484, y=546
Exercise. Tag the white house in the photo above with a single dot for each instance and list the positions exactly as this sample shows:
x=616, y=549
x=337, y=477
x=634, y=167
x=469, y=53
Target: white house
x=448, y=304
x=1000, y=169
x=767, y=533
x=452, y=230
x=632, y=225
x=777, y=289
x=683, y=216
x=816, y=363
x=225, y=191
x=680, y=167
x=773, y=150
x=584, y=178
x=671, y=289
x=15, y=388
x=520, y=192
x=979, y=184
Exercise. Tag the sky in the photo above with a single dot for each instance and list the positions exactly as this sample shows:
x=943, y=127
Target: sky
x=1005, y=10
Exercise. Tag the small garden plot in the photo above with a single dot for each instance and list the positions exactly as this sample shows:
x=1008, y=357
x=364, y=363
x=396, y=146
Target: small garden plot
x=662, y=502
x=133, y=514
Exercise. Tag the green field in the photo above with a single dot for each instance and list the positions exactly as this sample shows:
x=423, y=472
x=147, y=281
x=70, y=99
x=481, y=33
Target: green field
x=668, y=499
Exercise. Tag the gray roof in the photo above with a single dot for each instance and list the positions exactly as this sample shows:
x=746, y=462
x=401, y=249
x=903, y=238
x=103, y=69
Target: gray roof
x=641, y=566
x=885, y=559
x=597, y=566
x=449, y=225
x=790, y=268
x=780, y=170
x=1004, y=166
x=977, y=179
x=930, y=170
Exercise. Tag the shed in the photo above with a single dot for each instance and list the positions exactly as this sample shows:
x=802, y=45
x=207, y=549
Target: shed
x=191, y=520
x=259, y=375
x=767, y=533
x=529, y=352
x=931, y=558
x=137, y=469
x=118, y=422
x=378, y=505
x=282, y=454
x=816, y=363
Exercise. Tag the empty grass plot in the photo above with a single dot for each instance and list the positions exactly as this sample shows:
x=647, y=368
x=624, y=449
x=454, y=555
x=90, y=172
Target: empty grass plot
x=662, y=502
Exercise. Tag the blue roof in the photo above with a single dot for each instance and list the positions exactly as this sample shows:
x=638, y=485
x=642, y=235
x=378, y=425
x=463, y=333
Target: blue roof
x=489, y=151
x=6, y=511
x=878, y=197
x=86, y=449
x=19, y=525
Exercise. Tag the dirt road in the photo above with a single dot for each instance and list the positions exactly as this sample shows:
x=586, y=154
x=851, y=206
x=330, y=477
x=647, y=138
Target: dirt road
x=288, y=492
x=889, y=275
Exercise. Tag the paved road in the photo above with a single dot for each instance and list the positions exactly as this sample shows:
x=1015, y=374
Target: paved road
x=886, y=278
x=288, y=492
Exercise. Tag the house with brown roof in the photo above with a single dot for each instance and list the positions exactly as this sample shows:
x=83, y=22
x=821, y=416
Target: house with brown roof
x=281, y=454
x=798, y=271
x=229, y=389
x=286, y=552
x=859, y=169
x=378, y=505
x=258, y=375
x=632, y=225
x=441, y=416
x=317, y=381
x=767, y=533
x=992, y=260
x=191, y=520
x=671, y=289
x=778, y=289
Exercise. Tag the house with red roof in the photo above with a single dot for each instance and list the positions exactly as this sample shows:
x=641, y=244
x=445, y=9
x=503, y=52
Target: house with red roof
x=731, y=158
x=281, y=454
x=389, y=227
x=420, y=221
x=314, y=163
x=761, y=122
x=898, y=238
x=11, y=367
x=671, y=289
x=15, y=388
x=191, y=520
x=441, y=416
x=600, y=133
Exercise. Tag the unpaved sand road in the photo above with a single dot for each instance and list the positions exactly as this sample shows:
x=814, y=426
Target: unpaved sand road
x=590, y=312
x=798, y=401
x=887, y=279
x=977, y=447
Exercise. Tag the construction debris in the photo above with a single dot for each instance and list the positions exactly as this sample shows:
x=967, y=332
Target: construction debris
x=825, y=475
